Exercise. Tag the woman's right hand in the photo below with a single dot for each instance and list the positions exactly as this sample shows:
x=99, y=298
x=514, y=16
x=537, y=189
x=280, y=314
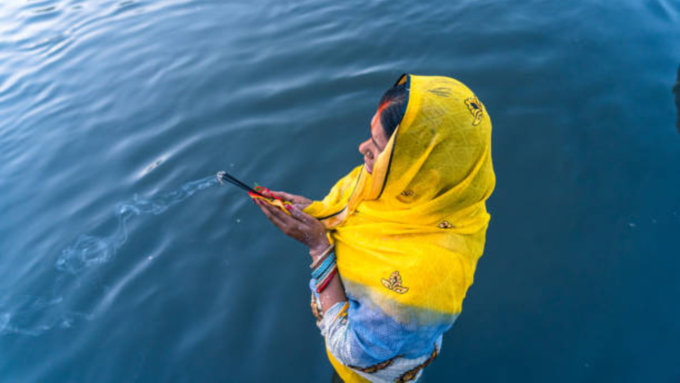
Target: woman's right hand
x=297, y=200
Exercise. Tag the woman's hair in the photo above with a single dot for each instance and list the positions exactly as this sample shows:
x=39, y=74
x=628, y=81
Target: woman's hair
x=392, y=105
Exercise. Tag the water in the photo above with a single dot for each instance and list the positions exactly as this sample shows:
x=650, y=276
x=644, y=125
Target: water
x=104, y=101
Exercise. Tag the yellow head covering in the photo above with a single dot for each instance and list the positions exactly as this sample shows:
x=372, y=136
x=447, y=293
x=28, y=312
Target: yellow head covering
x=408, y=236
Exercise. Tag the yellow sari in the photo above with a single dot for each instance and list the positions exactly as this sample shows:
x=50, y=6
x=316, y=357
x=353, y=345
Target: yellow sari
x=408, y=237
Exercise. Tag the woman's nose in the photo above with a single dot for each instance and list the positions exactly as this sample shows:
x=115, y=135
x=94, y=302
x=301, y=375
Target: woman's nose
x=362, y=147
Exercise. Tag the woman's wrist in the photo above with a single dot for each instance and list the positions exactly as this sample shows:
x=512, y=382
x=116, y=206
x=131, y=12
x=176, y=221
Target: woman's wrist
x=319, y=248
x=324, y=268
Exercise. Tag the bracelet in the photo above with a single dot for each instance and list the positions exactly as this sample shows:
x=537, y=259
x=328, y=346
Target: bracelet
x=327, y=261
x=322, y=256
x=322, y=276
x=325, y=283
x=324, y=267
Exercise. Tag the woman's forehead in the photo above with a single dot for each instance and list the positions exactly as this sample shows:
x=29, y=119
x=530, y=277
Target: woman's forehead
x=377, y=131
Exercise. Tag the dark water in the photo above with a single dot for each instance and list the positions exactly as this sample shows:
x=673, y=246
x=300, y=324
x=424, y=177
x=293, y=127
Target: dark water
x=121, y=262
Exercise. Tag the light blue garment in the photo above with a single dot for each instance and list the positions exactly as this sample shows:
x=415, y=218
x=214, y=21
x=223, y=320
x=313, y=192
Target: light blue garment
x=365, y=338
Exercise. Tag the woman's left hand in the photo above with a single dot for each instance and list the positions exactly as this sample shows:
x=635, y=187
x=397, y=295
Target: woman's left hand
x=299, y=225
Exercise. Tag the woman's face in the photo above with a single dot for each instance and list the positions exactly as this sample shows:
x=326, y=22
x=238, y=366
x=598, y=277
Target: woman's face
x=372, y=147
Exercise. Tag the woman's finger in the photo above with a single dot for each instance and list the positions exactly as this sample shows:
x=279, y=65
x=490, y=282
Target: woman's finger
x=292, y=197
x=275, y=220
x=302, y=216
x=283, y=195
x=277, y=212
x=285, y=219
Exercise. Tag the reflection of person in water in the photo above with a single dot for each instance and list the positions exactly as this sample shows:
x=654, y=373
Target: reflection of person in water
x=676, y=90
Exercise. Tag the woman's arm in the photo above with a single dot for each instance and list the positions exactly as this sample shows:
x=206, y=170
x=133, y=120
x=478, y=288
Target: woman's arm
x=335, y=291
x=308, y=230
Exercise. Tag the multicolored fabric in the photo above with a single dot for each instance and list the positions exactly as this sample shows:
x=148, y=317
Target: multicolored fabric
x=365, y=343
x=270, y=198
x=408, y=236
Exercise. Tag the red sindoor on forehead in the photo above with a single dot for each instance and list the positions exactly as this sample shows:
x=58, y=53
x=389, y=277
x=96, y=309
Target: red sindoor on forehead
x=380, y=110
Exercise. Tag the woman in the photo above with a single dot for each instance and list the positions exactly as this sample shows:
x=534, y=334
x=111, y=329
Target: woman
x=395, y=243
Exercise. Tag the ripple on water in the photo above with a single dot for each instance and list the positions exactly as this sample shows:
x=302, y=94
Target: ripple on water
x=45, y=44
x=4, y=322
x=35, y=315
x=102, y=99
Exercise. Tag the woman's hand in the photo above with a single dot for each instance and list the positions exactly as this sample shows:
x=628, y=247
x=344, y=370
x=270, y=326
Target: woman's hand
x=300, y=226
x=297, y=200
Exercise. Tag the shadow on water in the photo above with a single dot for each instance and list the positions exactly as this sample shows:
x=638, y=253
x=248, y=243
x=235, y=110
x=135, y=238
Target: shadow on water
x=87, y=252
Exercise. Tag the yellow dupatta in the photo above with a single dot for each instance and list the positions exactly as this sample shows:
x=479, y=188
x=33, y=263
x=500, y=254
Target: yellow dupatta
x=408, y=237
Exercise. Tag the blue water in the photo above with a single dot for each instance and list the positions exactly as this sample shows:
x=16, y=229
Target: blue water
x=121, y=260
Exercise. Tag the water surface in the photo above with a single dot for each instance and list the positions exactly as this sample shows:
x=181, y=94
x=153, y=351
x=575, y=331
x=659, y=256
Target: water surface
x=121, y=262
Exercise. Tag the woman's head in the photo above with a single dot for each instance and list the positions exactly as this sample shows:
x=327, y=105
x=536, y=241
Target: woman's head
x=383, y=124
